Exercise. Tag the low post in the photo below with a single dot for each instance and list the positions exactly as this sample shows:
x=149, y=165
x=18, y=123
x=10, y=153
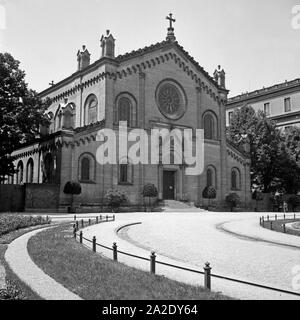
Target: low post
x=94, y=243
x=100, y=217
x=82, y=223
x=89, y=222
x=260, y=221
x=284, y=230
x=152, y=262
x=77, y=225
x=294, y=216
x=284, y=217
x=268, y=217
x=276, y=217
x=80, y=237
x=271, y=225
x=97, y=220
x=207, y=277
x=263, y=222
x=106, y=218
x=114, y=218
x=74, y=230
x=47, y=218
x=74, y=217
x=115, y=251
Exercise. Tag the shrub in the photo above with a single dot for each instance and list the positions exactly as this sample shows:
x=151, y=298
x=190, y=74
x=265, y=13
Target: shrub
x=233, y=200
x=72, y=187
x=10, y=223
x=209, y=193
x=115, y=198
x=294, y=202
x=149, y=191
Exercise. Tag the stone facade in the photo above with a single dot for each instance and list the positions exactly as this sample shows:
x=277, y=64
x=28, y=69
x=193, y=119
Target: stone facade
x=98, y=95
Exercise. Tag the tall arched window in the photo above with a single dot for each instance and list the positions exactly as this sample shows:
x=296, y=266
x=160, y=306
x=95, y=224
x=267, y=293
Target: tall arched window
x=211, y=177
x=48, y=168
x=125, y=172
x=210, y=126
x=235, y=179
x=29, y=171
x=86, y=169
x=20, y=170
x=91, y=110
x=124, y=109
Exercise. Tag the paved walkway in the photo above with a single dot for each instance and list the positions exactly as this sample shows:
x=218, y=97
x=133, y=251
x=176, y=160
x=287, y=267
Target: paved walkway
x=190, y=239
x=21, y=264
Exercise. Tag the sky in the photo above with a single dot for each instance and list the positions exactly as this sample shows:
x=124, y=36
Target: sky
x=256, y=42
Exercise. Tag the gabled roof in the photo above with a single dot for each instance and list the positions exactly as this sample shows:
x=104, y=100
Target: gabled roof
x=133, y=54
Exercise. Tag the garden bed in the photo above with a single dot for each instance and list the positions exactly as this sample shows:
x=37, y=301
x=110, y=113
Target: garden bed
x=94, y=277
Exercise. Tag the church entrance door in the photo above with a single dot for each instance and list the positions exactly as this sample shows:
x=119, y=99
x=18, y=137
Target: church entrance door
x=169, y=185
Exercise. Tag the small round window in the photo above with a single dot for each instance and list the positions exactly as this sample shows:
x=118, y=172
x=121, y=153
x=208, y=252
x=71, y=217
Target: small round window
x=171, y=100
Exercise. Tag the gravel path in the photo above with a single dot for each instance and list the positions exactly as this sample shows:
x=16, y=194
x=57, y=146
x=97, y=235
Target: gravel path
x=191, y=239
x=21, y=264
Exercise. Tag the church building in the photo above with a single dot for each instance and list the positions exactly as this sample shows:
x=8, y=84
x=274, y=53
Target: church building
x=158, y=86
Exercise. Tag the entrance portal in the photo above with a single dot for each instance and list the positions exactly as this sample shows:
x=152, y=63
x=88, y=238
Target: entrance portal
x=169, y=185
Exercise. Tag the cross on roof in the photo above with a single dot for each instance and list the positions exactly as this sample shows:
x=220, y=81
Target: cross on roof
x=51, y=83
x=169, y=17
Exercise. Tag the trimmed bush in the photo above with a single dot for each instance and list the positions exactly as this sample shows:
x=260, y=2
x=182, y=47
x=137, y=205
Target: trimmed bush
x=10, y=223
x=149, y=191
x=115, y=198
x=233, y=200
x=72, y=188
x=293, y=202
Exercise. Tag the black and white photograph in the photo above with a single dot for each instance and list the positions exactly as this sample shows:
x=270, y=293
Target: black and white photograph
x=149, y=154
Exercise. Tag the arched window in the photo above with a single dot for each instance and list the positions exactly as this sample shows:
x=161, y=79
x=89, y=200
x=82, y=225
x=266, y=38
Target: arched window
x=20, y=170
x=125, y=172
x=211, y=177
x=235, y=179
x=86, y=170
x=48, y=168
x=210, y=126
x=124, y=108
x=29, y=171
x=91, y=110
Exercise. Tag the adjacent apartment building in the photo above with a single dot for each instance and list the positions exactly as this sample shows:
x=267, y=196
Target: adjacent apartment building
x=280, y=102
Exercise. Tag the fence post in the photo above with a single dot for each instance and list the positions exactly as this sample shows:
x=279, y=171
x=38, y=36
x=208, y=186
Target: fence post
x=80, y=237
x=77, y=225
x=207, y=277
x=89, y=222
x=74, y=230
x=82, y=223
x=152, y=262
x=114, y=218
x=94, y=243
x=263, y=222
x=284, y=217
x=276, y=217
x=284, y=231
x=294, y=216
x=115, y=251
x=100, y=217
x=74, y=217
x=260, y=221
x=271, y=225
x=97, y=220
x=106, y=218
x=268, y=217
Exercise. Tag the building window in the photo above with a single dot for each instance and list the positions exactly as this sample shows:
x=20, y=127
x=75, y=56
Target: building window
x=210, y=126
x=29, y=171
x=230, y=115
x=235, y=179
x=20, y=172
x=48, y=168
x=91, y=110
x=211, y=177
x=86, y=170
x=287, y=105
x=124, y=108
x=125, y=172
x=267, y=109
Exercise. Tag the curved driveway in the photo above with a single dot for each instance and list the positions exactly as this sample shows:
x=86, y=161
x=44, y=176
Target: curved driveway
x=233, y=243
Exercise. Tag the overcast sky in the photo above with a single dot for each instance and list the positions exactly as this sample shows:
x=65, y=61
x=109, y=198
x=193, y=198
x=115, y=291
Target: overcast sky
x=254, y=41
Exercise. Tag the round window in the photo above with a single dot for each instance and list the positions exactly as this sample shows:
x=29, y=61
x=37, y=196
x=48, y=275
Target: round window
x=171, y=100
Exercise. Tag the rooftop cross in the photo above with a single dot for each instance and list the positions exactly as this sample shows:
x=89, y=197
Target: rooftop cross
x=51, y=83
x=169, y=17
x=171, y=36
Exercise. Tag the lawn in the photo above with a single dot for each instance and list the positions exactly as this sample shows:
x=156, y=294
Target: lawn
x=94, y=277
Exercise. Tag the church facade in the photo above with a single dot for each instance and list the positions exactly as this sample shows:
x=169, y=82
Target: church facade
x=160, y=86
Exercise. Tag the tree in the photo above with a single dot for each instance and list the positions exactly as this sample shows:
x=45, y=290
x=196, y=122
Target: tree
x=233, y=200
x=273, y=154
x=149, y=191
x=72, y=188
x=294, y=202
x=209, y=192
x=22, y=112
x=292, y=142
x=115, y=198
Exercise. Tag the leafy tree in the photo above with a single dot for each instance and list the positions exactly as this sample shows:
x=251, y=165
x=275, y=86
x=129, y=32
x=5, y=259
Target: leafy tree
x=233, y=200
x=294, y=202
x=292, y=142
x=22, y=112
x=72, y=188
x=115, y=198
x=149, y=191
x=209, y=192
